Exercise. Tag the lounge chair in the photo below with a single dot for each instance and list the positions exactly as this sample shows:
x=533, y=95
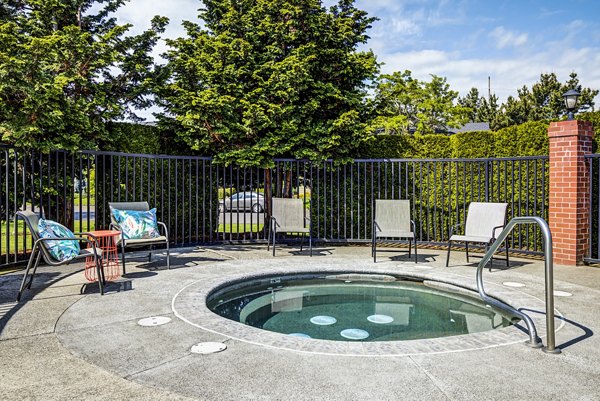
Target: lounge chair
x=40, y=249
x=485, y=221
x=392, y=220
x=142, y=242
x=289, y=216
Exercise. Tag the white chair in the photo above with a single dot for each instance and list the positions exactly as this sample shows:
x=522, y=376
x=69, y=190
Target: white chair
x=392, y=220
x=289, y=216
x=485, y=221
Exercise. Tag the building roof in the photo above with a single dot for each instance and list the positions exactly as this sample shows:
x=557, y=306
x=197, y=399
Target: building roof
x=469, y=127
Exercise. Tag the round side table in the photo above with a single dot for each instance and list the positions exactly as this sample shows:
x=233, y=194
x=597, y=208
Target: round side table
x=107, y=242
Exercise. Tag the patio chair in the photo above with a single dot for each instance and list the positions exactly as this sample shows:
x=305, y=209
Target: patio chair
x=40, y=249
x=142, y=242
x=392, y=220
x=288, y=216
x=485, y=221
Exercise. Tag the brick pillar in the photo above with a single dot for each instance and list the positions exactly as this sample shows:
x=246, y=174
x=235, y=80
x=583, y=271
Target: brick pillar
x=569, y=190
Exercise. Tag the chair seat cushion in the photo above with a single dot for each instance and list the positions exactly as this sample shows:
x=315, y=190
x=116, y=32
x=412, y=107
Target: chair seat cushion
x=144, y=241
x=394, y=234
x=137, y=224
x=62, y=250
x=470, y=238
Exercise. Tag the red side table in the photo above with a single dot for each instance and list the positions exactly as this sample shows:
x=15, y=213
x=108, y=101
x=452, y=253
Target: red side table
x=107, y=241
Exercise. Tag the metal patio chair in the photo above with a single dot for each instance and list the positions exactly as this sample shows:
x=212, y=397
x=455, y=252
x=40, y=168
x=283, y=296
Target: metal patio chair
x=40, y=249
x=142, y=242
x=484, y=222
x=289, y=216
x=392, y=220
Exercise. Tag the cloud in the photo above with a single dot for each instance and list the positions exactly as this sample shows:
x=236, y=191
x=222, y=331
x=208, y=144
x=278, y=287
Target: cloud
x=505, y=38
x=507, y=74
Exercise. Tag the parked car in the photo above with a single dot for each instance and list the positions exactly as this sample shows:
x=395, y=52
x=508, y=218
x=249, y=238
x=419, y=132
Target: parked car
x=242, y=201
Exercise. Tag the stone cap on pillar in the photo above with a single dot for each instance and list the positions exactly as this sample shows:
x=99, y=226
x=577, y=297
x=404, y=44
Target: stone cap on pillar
x=565, y=128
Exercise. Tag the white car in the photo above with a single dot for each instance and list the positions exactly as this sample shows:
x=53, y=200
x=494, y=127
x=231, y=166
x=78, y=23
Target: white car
x=244, y=201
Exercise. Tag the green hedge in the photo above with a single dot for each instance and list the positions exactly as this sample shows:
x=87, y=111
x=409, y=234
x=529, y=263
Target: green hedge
x=529, y=139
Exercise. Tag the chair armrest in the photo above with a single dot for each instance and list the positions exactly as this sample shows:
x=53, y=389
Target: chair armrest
x=93, y=241
x=114, y=226
x=376, y=226
x=273, y=222
x=164, y=226
x=494, y=230
x=414, y=227
x=454, y=227
x=307, y=219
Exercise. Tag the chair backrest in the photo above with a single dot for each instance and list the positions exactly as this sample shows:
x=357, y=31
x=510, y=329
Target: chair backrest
x=289, y=212
x=139, y=206
x=31, y=220
x=482, y=217
x=393, y=214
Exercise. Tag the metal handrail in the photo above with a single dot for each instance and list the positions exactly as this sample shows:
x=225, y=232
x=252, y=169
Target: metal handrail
x=534, y=341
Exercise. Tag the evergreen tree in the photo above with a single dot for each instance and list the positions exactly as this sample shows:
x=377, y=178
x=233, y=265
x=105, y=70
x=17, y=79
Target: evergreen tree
x=66, y=71
x=267, y=78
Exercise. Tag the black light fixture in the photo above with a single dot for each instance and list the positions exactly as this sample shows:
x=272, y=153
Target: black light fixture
x=571, y=97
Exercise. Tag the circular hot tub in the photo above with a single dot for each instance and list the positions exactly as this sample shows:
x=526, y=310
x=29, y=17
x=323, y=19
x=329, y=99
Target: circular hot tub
x=353, y=307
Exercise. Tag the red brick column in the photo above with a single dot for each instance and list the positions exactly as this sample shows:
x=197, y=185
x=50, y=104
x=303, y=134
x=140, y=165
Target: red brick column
x=569, y=190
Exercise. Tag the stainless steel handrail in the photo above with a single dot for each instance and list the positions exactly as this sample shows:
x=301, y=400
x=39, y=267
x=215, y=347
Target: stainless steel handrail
x=534, y=341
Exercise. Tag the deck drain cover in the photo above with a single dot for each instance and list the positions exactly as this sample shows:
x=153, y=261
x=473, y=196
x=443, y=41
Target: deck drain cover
x=323, y=320
x=513, y=284
x=154, y=321
x=208, y=348
x=562, y=294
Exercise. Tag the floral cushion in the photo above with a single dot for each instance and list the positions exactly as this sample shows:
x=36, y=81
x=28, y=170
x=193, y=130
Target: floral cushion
x=136, y=224
x=60, y=250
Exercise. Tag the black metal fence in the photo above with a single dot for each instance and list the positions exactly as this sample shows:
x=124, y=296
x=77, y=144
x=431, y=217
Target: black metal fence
x=202, y=202
x=593, y=161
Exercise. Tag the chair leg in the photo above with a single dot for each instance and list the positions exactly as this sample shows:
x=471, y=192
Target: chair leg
x=35, y=267
x=506, y=246
x=34, y=255
x=374, y=250
x=269, y=239
x=467, y=250
x=168, y=257
x=310, y=243
x=415, y=250
x=123, y=256
x=409, y=247
x=274, y=235
x=448, y=255
x=301, y=242
x=100, y=273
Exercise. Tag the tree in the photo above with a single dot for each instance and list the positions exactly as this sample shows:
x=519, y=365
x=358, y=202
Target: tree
x=265, y=78
x=66, y=71
x=544, y=101
x=404, y=104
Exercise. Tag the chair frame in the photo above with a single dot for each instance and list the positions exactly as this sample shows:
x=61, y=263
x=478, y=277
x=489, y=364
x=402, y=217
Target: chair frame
x=41, y=250
x=122, y=242
x=273, y=224
x=487, y=244
x=376, y=228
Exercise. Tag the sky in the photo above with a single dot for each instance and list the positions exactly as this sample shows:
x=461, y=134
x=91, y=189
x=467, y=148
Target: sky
x=511, y=42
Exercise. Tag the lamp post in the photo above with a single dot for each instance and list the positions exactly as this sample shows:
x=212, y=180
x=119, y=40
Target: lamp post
x=571, y=97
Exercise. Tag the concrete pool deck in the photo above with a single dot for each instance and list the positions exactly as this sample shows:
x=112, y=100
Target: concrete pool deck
x=64, y=341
